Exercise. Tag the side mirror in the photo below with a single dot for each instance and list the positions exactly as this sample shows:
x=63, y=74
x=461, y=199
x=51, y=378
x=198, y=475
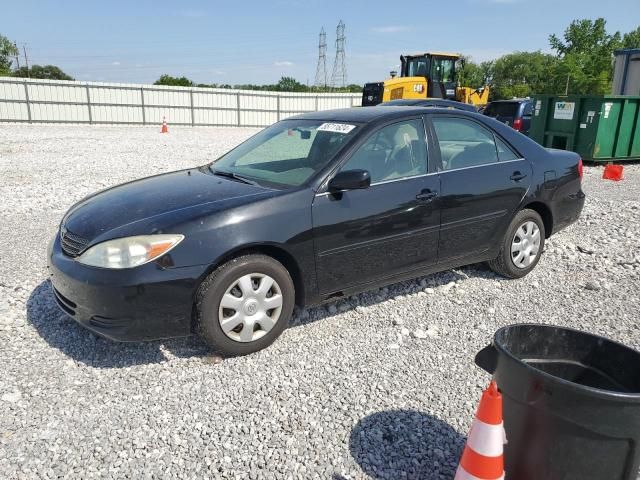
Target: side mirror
x=350, y=180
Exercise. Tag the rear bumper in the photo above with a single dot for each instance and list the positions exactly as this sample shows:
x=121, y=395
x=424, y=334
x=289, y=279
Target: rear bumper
x=567, y=209
x=142, y=303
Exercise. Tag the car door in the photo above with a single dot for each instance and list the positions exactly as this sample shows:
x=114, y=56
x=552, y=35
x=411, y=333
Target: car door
x=482, y=183
x=391, y=226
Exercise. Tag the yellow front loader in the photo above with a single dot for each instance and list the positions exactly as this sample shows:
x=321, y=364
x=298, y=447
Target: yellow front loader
x=425, y=75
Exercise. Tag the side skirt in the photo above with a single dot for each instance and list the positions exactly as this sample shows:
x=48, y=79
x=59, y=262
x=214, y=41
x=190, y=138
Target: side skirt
x=408, y=275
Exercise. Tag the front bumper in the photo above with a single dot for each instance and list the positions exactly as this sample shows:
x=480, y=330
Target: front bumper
x=142, y=303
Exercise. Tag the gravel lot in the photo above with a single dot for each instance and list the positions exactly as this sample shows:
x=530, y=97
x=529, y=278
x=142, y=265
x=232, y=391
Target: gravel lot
x=348, y=392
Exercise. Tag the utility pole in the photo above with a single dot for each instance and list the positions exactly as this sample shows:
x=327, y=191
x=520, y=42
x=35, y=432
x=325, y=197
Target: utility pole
x=321, y=69
x=339, y=75
x=566, y=88
x=26, y=59
x=17, y=55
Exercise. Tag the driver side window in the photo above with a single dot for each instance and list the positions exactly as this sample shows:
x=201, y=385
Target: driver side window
x=392, y=152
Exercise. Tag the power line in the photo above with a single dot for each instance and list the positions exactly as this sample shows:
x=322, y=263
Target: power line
x=321, y=70
x=124, y=46
x=339, y=75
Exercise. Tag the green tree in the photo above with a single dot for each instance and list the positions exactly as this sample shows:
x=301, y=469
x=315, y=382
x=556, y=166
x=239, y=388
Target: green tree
x=474, y=75
x=353, y=88
x=585, y=52
x=50, y=72
x=173, y=81
x=290, y=84
x=631, y=39
x=521, y=74
x=251, y=86
x=7, y=51
x=487, y=68
x=213, y=85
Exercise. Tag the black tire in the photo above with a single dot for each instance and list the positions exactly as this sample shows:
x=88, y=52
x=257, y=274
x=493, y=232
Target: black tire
x=214, y=287
x=503, y=264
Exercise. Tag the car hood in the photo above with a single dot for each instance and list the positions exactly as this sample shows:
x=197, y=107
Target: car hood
x=155, y=197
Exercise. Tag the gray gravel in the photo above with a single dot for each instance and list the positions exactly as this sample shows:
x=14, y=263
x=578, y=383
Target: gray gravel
x=379, y=386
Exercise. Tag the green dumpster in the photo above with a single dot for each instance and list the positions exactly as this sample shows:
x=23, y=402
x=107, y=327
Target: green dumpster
x=600, y=128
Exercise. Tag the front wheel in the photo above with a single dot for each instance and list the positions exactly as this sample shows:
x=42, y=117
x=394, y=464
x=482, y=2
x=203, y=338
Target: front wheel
x=245, y=304
x=521, y=246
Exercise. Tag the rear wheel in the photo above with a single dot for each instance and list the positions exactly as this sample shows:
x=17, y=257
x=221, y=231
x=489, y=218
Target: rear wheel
x=245, y=304
x=521, y=246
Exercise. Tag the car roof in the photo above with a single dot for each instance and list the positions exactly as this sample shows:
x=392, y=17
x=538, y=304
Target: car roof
x=432, y=102
x=511, y=100
x=370, y=114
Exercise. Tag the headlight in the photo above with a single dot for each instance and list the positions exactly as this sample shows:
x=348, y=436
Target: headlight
x=129, y=252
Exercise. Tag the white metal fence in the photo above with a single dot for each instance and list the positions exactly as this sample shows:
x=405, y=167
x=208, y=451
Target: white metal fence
x=58, y=101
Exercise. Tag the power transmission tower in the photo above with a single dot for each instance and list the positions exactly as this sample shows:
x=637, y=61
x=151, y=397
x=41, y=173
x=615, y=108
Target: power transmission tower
x=26, y=59
x=321, y=70
x=339, y=75
x=17, y=55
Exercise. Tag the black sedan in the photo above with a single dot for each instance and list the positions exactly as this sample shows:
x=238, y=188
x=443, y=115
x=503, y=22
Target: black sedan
x=311, y=209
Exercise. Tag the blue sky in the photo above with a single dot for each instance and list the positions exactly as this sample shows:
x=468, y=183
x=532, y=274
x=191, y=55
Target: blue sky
x=259, y=41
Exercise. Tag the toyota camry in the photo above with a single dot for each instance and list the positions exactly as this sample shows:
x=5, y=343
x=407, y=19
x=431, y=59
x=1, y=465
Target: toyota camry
x=311, y=209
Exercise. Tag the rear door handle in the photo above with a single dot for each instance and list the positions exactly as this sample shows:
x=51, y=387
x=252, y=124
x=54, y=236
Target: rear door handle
x=517, y=176
x=426, y=195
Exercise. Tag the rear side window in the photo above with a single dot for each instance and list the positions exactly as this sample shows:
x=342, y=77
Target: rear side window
x=502, y=109
x=528, y=109
x=464, y=143
x=504, y=152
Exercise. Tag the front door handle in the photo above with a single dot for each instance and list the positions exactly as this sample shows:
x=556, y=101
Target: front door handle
x=517, y=176
x=426, y=195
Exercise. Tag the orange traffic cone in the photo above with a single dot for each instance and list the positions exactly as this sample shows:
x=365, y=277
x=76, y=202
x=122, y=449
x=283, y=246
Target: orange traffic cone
x=482, y=458
x=164, y=128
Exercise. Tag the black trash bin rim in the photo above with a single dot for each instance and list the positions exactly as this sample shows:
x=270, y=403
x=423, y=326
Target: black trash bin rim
x=598, y=392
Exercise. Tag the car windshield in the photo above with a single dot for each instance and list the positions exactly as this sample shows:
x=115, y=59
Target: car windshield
x=287, y=153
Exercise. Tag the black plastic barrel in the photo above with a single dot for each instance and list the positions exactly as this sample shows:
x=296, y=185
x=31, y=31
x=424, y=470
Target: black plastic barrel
x=571, y=403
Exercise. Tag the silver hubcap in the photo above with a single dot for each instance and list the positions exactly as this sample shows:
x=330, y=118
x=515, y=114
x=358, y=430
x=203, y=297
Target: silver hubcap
x=250, y=307
x=525, y=245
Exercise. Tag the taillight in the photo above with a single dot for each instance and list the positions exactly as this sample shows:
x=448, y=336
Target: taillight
x=580, y=168
x=517, y=124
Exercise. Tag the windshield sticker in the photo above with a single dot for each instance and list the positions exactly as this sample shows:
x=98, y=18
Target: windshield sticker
x=336, y=127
